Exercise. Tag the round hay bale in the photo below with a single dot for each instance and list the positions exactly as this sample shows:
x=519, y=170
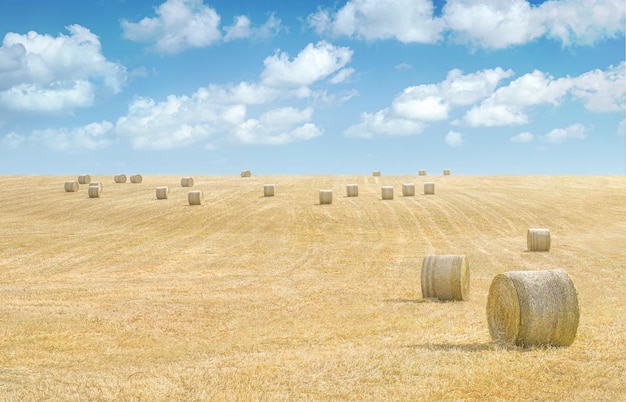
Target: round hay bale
x=387, y=192
x=268, y=190
x=162, y=193
x=186, y=182
x=84, y=179
x=445, y=277
x=94, y=190
x=136, y=178
x=246, y=173
x=429, y=188
x=422, y=172
x=446, y=172
x=71, y=186
x=408, y=189
x=195, y=197
x=326, y=197
x=352, y=190
x=538, y=239
x=376, y=173
x=120, y=178
x=533, y=308
x=96, y=184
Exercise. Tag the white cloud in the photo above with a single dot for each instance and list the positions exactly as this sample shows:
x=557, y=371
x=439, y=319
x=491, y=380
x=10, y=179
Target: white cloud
x=12, y=141
x=523, y=138
x=454, y=139
x=602, y=91
x=342, y=75
x=313, y=63
x=41, y=73
x=403, y=66
x=558, y=135
x=179, y=25
x=90, y=136
x=382, y=124
x=242, y=28
x=278, y=126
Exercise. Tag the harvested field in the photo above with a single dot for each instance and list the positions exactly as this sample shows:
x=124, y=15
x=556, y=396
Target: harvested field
x=249, y=297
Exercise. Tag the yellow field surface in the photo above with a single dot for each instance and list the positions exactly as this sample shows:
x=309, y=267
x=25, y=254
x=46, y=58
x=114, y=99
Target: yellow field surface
x=126, y=297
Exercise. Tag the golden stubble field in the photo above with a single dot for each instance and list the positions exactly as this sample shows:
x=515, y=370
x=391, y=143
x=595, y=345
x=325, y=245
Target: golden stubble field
x=246, y=297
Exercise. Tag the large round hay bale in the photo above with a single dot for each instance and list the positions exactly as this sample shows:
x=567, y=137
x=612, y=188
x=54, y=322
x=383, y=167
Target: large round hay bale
x=446, y=172
x=96, y=184
x=120, y=178
x=376, y=173
x=186, y=182
x=533, y=308
x=195, y=197
x=326, y=197
x=246, y=173
x=538, y=239
x=387, y=192
x=162, y=193
x=71, y=186
x=94, y=191
x=268, y=190
x=136, y=178
x=352, y=190
x=445, y=277
x=84, y=179
x=422, y=172
x=408, y=189
x=429, y=188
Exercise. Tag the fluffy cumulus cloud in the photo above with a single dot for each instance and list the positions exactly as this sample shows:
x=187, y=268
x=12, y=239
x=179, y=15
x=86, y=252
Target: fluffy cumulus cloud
x=602, y=91
x=278, y=126
x=90, y=136
x=491, y=24
x=454, y=139
x=559, y=135
x=242, y=28
x=42, y=73
x=383, y=123
x=523, y=138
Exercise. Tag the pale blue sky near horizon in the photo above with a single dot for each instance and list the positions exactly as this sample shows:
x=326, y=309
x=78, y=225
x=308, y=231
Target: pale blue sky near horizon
x=482, y=87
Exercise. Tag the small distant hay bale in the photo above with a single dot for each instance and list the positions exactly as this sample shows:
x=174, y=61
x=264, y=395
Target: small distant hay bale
x=446, y=277
x=326, y=197
x=162, y=193
x=195, y=197
x=422, y=172
x=376, y=173
x=84, y=179
x=531, y=308
x=352, y=190
x=246, y=173
x=408, y=189
x=186, y=182
x=387, y=192
x=71, y=186
x=120, y=178
x=268, y=190
x=136, y=178
x=96, y=184
x=446, y=172
x=95, y=190
x=429, y=188
x=538, y=239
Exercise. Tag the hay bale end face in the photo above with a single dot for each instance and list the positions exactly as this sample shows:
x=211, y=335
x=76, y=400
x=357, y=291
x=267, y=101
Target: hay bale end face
x=268, y=190
x=195, y=197
x=408, y=189
x=376, y=173
x=84, y=179
x=246, y=173
x=136, y=178
x=446, y=172
x=445, y=277
x=352, y=190
x=532, y=308
x=95, y=190
x=326, y=197
x=120, y=178
x=71, y=186
x=538, y=239
x=387, y=192
x=162, y=193
x=429, y=188
x=422, y=172
x=186, y=182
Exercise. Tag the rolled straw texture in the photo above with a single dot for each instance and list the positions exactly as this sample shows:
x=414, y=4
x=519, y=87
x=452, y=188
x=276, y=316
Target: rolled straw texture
x=445, y=277
x=186, y=182
x=120, y=178
x=195, y=197
x=446, y=172
x=376, y=173
x=352, y=190
x=268, y=190
x=429, y=188
x=531, y=308
x=408, y=189
x=246, y=173
x=326, y=196
x=71, y=186
x=422, y=172
x=96, y=184
x=538, y=239
x=94, y=191
x=136, y=178
x=387, y=192
x=162, y=193
x=84, y=179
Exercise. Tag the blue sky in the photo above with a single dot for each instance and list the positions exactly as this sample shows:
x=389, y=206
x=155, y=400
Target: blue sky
x=483, y=87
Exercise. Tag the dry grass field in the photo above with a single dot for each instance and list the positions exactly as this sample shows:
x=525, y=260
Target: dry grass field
x=243, y=298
